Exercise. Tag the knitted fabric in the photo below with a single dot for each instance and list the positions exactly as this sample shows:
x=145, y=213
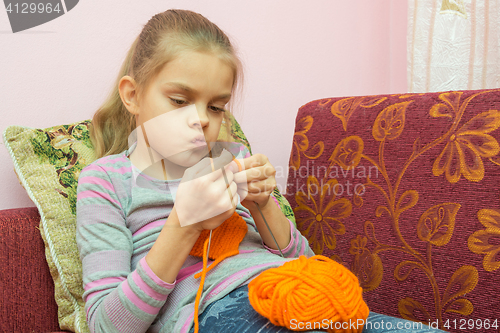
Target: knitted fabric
x=225, y=242
x=226, y=239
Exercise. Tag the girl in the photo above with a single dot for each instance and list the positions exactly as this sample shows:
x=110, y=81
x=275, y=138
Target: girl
x=141, y=210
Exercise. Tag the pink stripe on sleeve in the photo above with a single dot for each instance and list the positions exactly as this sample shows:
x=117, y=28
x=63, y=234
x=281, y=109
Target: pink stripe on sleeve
x=244, y=214
x=147, y=289
x=185, y=272
x=149, y=226
x=101, y=282
x=97, y=181
x=246, y=251
x=303, y=249
x=109, y=168
x=153, y=276
x=116, y=159
x=143, y=306
x=91, y=295
x=185, y=327
x=122, y=170
x=93, y=167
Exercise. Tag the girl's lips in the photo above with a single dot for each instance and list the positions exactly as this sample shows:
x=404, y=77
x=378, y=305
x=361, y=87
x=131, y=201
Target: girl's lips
x=199, y=141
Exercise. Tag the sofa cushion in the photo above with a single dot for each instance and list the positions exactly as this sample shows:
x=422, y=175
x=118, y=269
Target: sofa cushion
x=26, y=288
x=48, y=163
x=403, y=190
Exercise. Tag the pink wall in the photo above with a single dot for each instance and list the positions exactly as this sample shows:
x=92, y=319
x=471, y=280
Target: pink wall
x=293, y=52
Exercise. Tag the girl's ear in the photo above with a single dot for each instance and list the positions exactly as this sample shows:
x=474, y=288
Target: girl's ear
x=127, y=88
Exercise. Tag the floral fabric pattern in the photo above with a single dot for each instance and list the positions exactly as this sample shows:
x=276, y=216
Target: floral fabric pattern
x=404, y=192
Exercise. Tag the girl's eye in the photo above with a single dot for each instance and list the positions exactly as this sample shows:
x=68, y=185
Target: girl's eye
x=178, y=101
x=216, y=109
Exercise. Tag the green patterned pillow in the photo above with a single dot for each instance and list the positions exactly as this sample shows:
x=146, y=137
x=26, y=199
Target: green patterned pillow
x=48, y=163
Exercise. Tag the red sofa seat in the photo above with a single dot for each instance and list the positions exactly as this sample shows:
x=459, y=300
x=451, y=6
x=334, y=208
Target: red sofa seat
x=26, y=287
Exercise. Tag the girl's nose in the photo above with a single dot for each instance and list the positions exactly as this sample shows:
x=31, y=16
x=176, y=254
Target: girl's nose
x=202, y=116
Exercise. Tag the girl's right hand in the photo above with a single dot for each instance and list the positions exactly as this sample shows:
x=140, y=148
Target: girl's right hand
x=205, y=198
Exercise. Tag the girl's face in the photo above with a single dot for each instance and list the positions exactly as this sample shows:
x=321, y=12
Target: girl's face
x=183, y=107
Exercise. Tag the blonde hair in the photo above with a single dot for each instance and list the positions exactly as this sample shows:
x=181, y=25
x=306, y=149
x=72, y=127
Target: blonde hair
x=162, y=38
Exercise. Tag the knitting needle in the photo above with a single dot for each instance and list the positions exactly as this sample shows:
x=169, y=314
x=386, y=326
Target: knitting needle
x=213, y=169
x=268, y=228
x=260, y=211
x=209, y=240
x=256, y=204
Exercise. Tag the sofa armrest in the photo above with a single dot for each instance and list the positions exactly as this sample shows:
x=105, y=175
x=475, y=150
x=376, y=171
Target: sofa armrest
x=26, y=286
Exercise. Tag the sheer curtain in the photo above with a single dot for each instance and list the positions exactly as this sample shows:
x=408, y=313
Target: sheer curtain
x=453, y=45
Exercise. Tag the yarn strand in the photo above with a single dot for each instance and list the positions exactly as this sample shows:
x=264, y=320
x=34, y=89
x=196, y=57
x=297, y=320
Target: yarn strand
x=200, y=288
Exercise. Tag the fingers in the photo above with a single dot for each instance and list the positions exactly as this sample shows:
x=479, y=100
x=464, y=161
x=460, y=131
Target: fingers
x=225, y=178
x=233, y=194
x=262, y=187
x=261, y=197
x=255, y=174
x=236, y=199
x=201, y=200
x=220, y=165
x=230, y=194
x=257, y=181
x=250, y=175
x=211, y=167
x=234, y=166
x=198, y=170
x=223, y=160
x=254, y=161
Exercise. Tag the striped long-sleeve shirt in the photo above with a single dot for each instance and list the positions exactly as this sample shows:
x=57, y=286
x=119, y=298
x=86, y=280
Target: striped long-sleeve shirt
x=120, y=213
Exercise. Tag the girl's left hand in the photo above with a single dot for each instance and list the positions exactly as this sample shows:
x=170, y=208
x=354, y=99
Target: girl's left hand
x=256, y=181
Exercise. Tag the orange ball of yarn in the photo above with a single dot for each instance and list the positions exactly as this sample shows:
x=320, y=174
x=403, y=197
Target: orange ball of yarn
x=310, y=293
